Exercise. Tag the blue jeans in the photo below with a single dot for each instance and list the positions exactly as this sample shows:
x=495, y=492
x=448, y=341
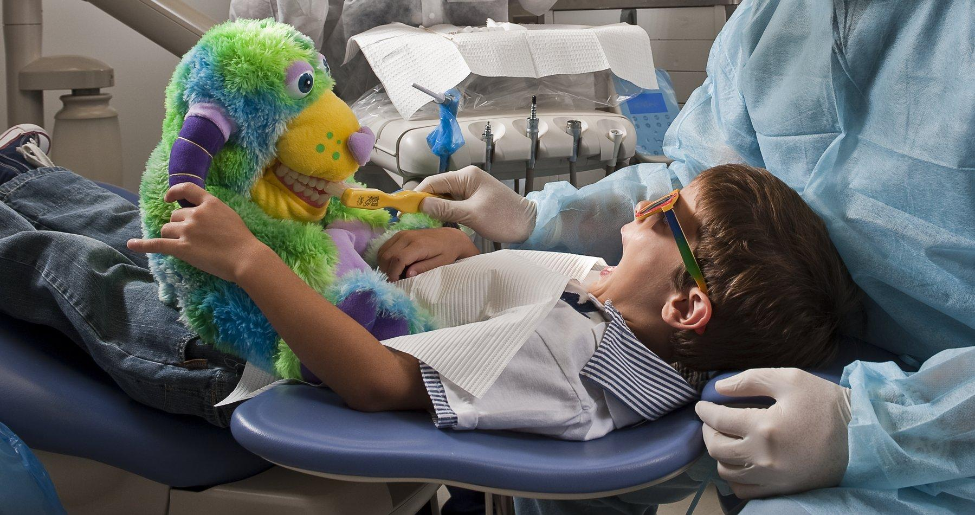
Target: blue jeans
x=64, y=264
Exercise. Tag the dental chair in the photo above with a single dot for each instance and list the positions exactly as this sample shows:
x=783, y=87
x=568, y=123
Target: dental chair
x=310, y=430
x=109, y=454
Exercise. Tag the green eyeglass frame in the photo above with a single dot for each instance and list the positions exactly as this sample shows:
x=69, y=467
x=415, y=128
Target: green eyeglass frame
x=665, y=205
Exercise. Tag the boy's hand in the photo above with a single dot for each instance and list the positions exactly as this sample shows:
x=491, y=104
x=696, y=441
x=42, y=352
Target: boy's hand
x=420, y=250
x=210, y=236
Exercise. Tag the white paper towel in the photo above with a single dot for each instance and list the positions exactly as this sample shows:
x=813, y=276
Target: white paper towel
x=253, y=382
x=489, y=306
x=441, y=57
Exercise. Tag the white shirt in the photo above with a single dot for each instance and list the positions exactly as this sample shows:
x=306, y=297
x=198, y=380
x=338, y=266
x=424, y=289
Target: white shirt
x=580, y=375
x=524, y=346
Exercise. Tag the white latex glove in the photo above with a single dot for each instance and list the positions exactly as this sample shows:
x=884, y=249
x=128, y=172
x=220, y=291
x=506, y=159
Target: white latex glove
x=798, y=444
x=481, y=202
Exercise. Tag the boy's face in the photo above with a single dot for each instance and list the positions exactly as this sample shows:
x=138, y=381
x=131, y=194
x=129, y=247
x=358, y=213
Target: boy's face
x=641, y=284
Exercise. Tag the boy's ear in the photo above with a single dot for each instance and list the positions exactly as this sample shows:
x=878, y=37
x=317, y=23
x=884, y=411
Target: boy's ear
x=690, y=311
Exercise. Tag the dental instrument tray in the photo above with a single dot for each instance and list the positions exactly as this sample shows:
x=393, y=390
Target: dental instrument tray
x=578, y=74
x=401, y=145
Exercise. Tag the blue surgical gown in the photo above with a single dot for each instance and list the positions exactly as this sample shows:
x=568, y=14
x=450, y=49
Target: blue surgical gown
x=867, y=109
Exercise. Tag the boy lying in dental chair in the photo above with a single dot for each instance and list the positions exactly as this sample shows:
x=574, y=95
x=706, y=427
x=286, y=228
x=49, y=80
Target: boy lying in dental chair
x=762, y=286
x=752, y=281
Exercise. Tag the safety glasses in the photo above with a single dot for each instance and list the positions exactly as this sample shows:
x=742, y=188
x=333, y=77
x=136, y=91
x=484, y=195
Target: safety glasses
x=665, y=205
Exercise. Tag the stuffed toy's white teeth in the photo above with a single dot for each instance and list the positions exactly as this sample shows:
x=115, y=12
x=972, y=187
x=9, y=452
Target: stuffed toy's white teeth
x=313, y=190
x=292, y=178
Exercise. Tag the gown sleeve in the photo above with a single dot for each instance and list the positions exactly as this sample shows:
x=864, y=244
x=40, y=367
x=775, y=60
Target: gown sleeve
x=912, y=429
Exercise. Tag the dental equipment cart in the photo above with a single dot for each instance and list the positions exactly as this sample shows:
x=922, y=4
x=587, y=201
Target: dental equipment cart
x=402, y=150
x=498, y=71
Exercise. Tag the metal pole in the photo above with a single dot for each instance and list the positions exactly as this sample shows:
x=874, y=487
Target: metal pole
x=22, y=43
x=170, y=24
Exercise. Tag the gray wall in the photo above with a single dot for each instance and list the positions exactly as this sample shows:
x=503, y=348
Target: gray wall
x=142, y=71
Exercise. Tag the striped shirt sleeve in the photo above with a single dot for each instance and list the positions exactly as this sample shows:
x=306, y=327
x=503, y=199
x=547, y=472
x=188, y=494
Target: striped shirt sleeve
x=443, y=416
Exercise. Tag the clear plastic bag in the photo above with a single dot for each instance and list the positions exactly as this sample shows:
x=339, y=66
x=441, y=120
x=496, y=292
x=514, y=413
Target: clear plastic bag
x=587, y=91
x=24, y=484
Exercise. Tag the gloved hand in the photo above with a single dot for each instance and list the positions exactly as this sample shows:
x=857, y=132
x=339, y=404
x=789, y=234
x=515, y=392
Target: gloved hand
x=481, y=202
x=798, y=444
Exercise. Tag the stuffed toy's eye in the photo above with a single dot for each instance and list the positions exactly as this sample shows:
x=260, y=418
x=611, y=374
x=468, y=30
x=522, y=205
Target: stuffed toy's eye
x=299, y=79
x=323, y=65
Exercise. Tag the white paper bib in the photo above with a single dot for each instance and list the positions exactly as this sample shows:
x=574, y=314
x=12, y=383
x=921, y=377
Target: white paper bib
x=488, y=306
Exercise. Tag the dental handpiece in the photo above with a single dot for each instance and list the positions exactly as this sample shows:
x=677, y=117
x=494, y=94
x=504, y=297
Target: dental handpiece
x=488, y=137
x=574, y=129
x=617, y=136
x=443, y=99
x=532, y=132
x=437, y=97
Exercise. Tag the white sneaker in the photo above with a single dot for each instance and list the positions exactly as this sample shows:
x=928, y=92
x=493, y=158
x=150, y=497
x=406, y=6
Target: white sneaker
x=39, y=136
x=23, y=148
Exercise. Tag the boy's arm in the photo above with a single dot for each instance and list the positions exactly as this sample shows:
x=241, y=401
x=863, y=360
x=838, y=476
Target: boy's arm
x=367, y=375
x=213, y=238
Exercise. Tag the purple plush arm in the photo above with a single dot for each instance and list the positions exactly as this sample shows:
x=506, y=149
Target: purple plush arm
x=205, y=131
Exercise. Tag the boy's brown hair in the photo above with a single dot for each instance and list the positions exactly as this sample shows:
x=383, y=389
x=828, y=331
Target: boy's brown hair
x=778, y=288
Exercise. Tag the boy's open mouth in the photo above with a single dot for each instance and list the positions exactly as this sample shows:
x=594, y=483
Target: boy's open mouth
x=606, y=271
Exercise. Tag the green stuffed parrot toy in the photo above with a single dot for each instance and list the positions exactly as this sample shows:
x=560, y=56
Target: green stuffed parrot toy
x=251, y=117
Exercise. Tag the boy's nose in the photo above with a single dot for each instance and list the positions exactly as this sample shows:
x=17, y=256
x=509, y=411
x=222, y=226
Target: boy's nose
x=360, y=144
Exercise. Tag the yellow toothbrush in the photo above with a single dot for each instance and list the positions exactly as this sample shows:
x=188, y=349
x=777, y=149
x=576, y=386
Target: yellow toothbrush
x=405, y=201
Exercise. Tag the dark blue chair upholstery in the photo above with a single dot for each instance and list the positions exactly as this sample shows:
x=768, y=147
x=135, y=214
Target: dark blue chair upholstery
x=311, y=429
x=55, y=398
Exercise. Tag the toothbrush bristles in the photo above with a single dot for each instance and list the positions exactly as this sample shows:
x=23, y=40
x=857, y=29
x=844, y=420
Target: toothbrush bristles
x=335, y=189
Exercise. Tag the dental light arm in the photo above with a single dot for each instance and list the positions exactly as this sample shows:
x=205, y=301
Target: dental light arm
x=170, y=24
